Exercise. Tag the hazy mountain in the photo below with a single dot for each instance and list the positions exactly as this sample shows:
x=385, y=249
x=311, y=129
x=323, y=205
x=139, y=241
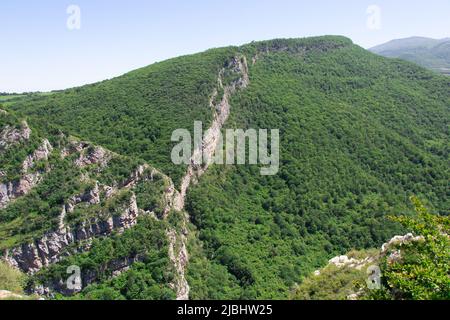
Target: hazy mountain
x=430, y=53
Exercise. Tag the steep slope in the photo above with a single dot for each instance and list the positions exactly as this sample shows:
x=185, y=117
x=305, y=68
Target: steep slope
x=410, y=267
x=69, y=198
x=101, y=201
x=430, y=53
x=135, y=114
x=359, y=135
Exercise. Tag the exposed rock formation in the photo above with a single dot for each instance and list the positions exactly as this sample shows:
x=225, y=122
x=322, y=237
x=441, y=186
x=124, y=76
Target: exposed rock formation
x=178, y=254
x=400, y=240
x=13, y=190
x=50, y=248
x=212, y=135
x=393, y=248
x=95, y=155
x=41, y=153
x=32, y=257
x=178, y=243
x=115, y=267
x=10, y=135
x=345, y=261
x=91, y=197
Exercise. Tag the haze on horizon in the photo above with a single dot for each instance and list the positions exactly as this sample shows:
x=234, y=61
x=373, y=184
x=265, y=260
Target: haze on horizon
x=41, y=53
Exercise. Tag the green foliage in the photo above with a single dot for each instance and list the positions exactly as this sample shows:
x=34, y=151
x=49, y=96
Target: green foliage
x=208, y=279
x=12, y=157
x=146, y=280
x=137, y=284
x=11, y=279
x=149, y=195
x=359, y=135
x=423, y=271
x=36, y=213
x=333, y=283
x=135, y=115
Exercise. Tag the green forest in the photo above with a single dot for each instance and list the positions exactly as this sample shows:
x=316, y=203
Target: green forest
x=360, y=134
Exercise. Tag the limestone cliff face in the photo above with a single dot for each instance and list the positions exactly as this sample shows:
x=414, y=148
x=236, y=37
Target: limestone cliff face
x=95, y=155
x=49, y=249
x=178, y=241
x=10, y=135
x=15, y=189
x=55, y=245
x=88, y=277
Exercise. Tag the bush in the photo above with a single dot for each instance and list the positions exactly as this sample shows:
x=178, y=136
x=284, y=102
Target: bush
x=11, y=279
x=423, y=270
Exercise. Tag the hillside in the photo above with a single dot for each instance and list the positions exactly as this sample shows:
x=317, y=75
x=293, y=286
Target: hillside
x=430, y=53
x=87, y=179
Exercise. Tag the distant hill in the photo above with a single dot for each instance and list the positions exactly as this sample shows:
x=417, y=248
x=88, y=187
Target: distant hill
x=430, y=53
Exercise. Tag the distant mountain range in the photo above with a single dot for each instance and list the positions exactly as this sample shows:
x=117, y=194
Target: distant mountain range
x=430, y=53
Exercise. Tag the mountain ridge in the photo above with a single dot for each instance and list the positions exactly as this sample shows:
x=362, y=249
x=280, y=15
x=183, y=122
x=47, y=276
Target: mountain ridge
x=359, y=134
x=430, y=53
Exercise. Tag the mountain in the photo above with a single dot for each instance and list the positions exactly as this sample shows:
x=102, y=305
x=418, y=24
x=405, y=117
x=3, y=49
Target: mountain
x=87, y=178
x=430, y=53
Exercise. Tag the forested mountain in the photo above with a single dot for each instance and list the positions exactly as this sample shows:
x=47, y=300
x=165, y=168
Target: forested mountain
x=430, y=53
x=87, y=178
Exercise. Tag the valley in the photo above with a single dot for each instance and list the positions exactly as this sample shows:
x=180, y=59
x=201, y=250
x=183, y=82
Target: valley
x=87, y=180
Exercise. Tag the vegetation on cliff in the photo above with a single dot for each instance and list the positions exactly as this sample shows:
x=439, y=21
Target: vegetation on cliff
x=359, y=135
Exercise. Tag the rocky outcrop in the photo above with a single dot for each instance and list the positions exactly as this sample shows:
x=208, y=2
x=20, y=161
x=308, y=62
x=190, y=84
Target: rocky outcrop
x=200, y=161
x=53, y=246
x=15, y=189
x=49, y=249
x=41, y=153
x=90, y=197
x=178, y=254
x=392, y=249
x=10, y=135
x=93, y=155
x=115, y=268
x=345, y=261
x=399, y=241
x=237, y=65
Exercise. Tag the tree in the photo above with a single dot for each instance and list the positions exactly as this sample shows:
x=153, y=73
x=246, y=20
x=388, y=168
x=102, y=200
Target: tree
x=422, y=272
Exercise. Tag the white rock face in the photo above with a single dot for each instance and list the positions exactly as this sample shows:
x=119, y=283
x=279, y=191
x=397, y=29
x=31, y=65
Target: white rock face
x=212, y=135
x=176, y=200
x=41, y=153
x=392, y=249
x=47, y=250
x=13, y=190
x=400, y=240
x=345, y=261
x=10, y=136
x=96, y=156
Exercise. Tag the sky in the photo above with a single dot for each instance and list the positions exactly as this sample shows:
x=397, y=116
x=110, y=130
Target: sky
x=57, y=44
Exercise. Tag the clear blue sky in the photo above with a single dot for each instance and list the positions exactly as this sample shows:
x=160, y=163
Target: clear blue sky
x=39, y=52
